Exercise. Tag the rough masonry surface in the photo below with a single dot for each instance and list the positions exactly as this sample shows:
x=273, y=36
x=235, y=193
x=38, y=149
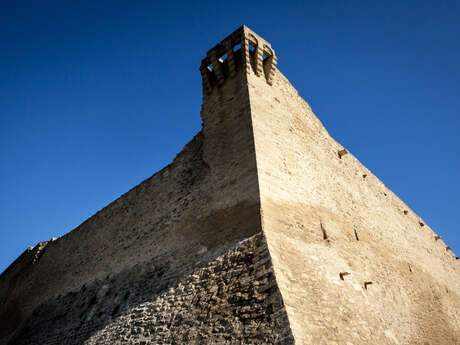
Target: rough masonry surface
x=263, y=230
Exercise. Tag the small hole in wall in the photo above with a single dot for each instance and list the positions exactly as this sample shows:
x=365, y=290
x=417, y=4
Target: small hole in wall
x=410, y=268
x=364, y=175
x=264, y=58
x=421, y=224
x=252, y=49
x=437, y=237
x=210, y=68
x=406, y=211
x=448, y=248
x=356, y=235
x=237, y=47
x=343, y=274
x=323, y=231
x=342, y=153
x=366, y=284
x=223, y=58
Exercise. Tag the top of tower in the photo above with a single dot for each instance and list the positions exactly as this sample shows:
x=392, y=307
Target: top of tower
x=241, y=50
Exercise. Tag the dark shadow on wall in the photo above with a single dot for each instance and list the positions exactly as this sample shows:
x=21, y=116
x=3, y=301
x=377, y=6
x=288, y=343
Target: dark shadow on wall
x=170, y=217
x=230, y=296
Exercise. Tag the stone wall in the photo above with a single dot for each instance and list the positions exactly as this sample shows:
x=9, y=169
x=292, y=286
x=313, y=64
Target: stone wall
x=207, y=198
x=230, y=297
x=264, y=230
x=355, y=265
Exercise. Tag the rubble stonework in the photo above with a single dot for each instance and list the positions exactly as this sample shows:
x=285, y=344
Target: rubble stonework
x=263, y=230
x=231, y=299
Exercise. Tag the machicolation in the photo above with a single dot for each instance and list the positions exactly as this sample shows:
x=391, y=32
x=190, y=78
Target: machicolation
x=263, y=230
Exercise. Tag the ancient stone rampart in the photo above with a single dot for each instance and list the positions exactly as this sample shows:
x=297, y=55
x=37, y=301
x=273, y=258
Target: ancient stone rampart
x=263, y=230
x=174, y=228
x=355, y=265
x=230, y=297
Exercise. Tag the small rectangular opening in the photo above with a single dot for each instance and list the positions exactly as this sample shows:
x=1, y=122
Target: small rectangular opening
x=343, y=274
x=211, y=68
x=237, y=47
x=223, y=58
x=342, y=153
x=324, y=232
x=356, y=235
x=252, y=49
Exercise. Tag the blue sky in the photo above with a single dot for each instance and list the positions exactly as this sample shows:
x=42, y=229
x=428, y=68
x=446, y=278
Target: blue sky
x=96, y=96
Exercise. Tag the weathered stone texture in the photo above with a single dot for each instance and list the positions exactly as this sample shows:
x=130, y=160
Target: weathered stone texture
x=326, y=214
x=231, y=299
x=207, y=198
x=264, y=230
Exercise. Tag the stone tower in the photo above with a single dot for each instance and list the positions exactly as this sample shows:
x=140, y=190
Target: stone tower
x=263, y=230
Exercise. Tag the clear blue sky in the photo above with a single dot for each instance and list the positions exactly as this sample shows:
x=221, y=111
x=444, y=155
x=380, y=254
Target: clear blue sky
x=96, y=96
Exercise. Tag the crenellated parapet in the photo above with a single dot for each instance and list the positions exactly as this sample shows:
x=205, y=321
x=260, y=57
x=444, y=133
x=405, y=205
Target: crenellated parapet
x=241, y=50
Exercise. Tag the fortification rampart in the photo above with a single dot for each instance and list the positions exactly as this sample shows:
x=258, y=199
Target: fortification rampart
x=353, y=262
x=264, y=230
x=175, y=222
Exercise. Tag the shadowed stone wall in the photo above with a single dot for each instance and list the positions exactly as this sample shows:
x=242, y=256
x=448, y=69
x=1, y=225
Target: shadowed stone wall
x=230, y=297
x=264, y=230
x=207, y=200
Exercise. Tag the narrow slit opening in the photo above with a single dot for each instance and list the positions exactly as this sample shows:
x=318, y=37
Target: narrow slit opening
x=324, y=232
x=237, y=47
x=356, y=235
